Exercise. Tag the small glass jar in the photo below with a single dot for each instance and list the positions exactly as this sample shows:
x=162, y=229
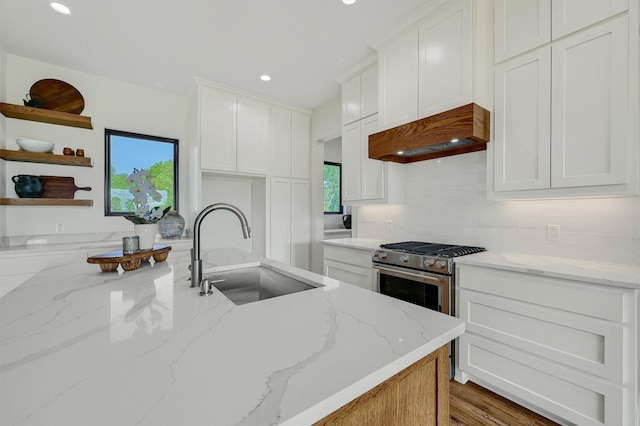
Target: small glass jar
x=131, y=244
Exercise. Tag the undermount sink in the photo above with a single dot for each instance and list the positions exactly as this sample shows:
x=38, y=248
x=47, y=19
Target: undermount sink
x=251, y=284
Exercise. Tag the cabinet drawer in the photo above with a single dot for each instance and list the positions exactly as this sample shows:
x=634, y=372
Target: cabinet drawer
x=563, y=392
x=356, y=275
x=608, y=303
x=348, y=255
x=579, y=342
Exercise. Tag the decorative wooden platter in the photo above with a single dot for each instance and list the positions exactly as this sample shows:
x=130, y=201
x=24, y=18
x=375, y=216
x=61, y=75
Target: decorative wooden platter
x=109, y=261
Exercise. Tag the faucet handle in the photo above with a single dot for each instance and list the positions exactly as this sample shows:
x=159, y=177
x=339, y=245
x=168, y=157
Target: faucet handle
x=205, y=287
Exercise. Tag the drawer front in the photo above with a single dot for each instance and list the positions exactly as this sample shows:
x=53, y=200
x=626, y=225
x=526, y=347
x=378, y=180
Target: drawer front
x=568, y=394
x=347, y=255
x=361, y=277
x=608, y=303
x=591, y=345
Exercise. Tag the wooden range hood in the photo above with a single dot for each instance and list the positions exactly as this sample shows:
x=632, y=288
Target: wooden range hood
x=457, y=131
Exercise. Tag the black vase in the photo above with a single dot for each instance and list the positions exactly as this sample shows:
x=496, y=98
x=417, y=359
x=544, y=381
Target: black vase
x=346, y=221
x=28, y=186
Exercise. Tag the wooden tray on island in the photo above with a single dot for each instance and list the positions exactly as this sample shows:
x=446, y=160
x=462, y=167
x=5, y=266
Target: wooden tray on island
x=109, y=261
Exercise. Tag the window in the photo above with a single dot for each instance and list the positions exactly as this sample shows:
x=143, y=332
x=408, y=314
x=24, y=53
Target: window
x=332, y=188
x=126, y=151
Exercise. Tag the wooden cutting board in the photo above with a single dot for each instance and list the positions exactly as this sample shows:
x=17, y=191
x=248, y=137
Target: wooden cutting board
x=60, y=187
x=57, y=95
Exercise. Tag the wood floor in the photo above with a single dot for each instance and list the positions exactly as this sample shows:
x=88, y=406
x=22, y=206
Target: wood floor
x=472, y=405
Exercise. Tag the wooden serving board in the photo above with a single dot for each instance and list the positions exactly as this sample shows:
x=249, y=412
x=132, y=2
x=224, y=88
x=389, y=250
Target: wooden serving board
x=57, y=95
x=60, y=187
x=109, y=261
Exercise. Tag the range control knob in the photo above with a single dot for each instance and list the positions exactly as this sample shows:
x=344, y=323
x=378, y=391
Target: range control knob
x=429, y=262
x=441, y=263
x=380, y=255
x=404, y=258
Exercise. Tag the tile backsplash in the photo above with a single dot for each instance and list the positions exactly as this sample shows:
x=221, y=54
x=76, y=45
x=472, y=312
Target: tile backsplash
x=446, y=201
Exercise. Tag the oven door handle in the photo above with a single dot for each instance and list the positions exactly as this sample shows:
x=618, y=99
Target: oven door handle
x=419, y=277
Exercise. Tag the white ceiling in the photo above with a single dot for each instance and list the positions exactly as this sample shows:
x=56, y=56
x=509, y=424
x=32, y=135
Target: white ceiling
x=303, y=44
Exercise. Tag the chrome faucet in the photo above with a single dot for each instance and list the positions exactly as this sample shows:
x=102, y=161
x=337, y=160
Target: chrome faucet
x=196, y=262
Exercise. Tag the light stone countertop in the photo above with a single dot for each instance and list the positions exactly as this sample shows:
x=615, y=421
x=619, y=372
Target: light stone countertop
x=355, y=243
x=614, y=274
x=83, y=347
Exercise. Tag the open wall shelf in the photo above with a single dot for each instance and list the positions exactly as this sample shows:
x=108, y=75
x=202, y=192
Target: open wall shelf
x=45, y=116
x=49, y=158
x=44, y=202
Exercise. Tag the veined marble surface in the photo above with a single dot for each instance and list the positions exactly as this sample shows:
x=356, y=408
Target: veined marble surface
x=615, y=274
x=356, y=243
x=83, y=347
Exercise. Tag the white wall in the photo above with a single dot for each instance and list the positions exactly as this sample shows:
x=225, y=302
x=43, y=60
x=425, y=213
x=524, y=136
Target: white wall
x=111, y=104
x=446, y=202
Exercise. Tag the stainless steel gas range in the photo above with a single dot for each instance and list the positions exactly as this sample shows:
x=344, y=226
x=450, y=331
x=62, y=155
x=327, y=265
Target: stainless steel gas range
x=420, y=273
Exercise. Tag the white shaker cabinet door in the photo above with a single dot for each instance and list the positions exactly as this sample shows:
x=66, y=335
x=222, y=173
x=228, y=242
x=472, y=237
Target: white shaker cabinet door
x=280, y=142
x=398, y=82
x=300, y=223
x=571, y=15
x=253, y=136
x=520, y=26
x=445, y=65
x=351, y=152
x=280, y=241
x=369, y=92
x=351, y=100
x=217, y=125
x=522, y=126
x=590, y=106
x=372, y=176
x=300, y=137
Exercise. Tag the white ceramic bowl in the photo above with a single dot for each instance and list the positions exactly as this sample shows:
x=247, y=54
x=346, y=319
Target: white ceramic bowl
x=33, y=145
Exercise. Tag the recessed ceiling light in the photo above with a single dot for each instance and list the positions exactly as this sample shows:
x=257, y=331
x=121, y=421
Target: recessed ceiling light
x=348, y=1
x=265, y=77
x=61, y=8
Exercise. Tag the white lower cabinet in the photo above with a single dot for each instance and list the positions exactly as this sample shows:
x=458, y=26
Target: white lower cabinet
x=290, y=228
x=349, y=265
x=564, y=347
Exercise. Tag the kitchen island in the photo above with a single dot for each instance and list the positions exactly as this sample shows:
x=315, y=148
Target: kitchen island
x=83, y=347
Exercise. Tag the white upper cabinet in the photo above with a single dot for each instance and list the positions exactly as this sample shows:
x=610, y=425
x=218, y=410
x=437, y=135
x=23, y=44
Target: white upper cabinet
x=398, y=81
x=217, y=126
x=590, y=106
x=563, y=113
x=364, y=180
x=253, y=137
x=520, y=26
x=522, y=128
x=233, y=132
x=445, y=69
x=290, y=133
x=360, y=96
x=428, y=68
x=290, y=225
x=571, y=15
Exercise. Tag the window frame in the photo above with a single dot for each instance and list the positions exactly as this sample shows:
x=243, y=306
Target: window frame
x=107, y=167
x=339, y=165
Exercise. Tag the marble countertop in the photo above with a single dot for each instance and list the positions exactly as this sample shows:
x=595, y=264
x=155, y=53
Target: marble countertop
x=356, y=243
x=79, y=347
x=615, y=274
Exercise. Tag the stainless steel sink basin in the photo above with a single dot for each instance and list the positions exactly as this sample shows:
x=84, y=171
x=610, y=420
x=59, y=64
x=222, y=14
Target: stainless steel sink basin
x=251, y=284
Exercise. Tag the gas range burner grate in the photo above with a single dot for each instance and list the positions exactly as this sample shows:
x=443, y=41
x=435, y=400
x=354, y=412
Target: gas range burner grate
x=432, y=249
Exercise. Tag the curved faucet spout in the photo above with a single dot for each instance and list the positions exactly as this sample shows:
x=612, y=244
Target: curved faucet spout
x=196, y=262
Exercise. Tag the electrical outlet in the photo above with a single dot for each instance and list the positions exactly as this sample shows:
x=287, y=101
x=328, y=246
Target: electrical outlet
x=59, y=228
x=389, y=226
x=553, y=232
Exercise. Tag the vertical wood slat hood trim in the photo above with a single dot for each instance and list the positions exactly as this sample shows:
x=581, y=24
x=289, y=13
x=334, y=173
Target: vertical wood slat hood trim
x=469, y=123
